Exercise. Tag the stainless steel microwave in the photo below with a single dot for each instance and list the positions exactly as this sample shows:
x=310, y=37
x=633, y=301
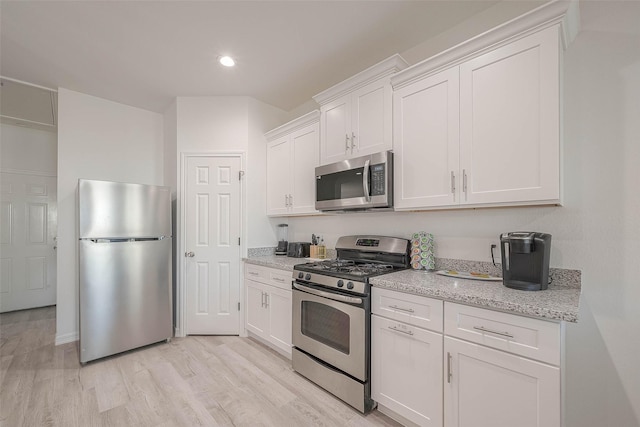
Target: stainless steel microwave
x=361, y=183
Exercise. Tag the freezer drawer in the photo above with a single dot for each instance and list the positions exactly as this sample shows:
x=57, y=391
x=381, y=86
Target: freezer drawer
x=125, y=296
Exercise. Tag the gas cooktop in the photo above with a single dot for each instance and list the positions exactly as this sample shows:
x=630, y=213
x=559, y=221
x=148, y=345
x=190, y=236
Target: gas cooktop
x=347, y=268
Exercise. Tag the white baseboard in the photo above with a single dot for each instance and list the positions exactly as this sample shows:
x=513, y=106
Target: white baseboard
x=66, y=338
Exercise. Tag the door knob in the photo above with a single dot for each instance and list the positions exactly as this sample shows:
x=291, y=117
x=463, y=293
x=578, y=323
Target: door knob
x=189, y=254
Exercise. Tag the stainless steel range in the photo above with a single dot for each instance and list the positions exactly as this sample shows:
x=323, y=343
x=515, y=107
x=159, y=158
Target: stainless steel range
x=332, y=315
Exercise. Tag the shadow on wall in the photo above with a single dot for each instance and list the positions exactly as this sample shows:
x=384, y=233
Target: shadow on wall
x=602, y=80
x=591, y=376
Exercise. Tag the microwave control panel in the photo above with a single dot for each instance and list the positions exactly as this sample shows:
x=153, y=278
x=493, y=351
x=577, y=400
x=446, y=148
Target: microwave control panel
x=378, y=180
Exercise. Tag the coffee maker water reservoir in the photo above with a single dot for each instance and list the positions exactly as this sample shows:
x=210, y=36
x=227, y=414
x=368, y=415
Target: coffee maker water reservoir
x=525, y=260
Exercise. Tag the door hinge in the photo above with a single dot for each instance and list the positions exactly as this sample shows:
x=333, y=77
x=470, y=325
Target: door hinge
x=238, y=306
x=240, y=175
x=238, y=241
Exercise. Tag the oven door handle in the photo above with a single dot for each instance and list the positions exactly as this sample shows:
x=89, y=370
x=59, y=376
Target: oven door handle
x=329, y=295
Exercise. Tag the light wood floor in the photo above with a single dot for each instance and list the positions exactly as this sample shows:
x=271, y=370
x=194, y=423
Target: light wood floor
x=198, y=380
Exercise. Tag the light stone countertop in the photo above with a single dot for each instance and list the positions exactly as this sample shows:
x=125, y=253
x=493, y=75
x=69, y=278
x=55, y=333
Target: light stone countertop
x=274, y=261
x=556, y=303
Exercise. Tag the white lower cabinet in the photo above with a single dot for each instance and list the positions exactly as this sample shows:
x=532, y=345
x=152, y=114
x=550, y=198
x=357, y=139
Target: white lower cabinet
x=491, y=388
x=268, y=313
x=406, y=357
x=488, y=368
x=406, y=364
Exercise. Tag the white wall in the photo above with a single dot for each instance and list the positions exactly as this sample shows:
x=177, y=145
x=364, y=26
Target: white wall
x=597, y=230
x=262, y=118
x=207, y=124
x=26, y=150
x=97, y=139
x=170, y=135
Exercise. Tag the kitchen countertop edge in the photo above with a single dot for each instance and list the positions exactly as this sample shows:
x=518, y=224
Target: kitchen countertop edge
x=556, y=303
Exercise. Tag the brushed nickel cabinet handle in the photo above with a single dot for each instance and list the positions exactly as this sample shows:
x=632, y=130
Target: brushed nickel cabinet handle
x=483, y=329
x=408, y=310
x=453, y=183
x=464, y=183
x=449, y=374
x=393, y=328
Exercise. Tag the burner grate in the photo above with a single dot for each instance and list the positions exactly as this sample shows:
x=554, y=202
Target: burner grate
x=350, y=267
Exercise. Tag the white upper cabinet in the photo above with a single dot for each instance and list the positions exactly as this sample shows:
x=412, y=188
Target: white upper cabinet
x=510, y=122
x=479, y=124
x=427, y=142
x=292, y=156
x=355, y=115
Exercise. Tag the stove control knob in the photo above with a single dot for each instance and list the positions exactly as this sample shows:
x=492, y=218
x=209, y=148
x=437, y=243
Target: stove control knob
x=300, y=275
x=350, y=285
x=340, y=283
x=307, y=277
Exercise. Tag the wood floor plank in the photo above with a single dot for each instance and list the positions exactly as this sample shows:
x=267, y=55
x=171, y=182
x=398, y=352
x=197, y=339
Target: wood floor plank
x=111, y=391
x=187, y=408
x=16, y=389
x=200, y=380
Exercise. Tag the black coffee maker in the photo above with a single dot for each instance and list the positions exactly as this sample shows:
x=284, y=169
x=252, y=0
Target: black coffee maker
x=525, y=260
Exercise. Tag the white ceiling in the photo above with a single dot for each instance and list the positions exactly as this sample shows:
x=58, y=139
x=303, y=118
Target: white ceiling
x=145, y=53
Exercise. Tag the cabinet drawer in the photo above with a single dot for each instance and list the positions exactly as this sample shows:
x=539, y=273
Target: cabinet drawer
x=280, y=279
x=533, y=338
x=256, y=273
x=270, y=276
x=412, y=309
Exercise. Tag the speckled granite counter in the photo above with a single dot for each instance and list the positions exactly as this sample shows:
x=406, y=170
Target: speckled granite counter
x=556, y=303
x=273, y=261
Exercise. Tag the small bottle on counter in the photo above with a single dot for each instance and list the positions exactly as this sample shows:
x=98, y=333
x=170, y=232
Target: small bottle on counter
x=322, y=249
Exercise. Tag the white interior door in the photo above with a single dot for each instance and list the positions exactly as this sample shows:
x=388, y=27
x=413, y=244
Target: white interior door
x=28, y=224
x=212, y=257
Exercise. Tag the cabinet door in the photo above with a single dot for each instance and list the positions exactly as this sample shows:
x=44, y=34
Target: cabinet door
x=491, y=388
x=371, y=119
x=278, y=173
x=426, y=143
x=279, y=307
x=406, y=370
x=257, y=320
x=335, y=138
x=305, y=155
x=509, y=122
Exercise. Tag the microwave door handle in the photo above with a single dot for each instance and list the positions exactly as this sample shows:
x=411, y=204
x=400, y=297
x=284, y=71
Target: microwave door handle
x=365, y=181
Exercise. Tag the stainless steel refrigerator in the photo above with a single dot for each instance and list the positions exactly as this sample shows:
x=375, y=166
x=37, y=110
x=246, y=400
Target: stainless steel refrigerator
x=125, y=256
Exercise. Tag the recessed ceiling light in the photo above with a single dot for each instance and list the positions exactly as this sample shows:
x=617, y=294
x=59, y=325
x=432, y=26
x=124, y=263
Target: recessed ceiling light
x=227, y=61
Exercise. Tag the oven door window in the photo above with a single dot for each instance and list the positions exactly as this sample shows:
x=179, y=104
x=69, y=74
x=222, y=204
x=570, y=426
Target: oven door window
x=326, y=324
x=340, y=185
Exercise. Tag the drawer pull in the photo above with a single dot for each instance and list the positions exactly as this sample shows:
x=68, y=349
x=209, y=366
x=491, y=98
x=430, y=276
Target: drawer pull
x=253, y=273
x=408, y=310
x=278, y=279
x=393, y=328
x=483, y=329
